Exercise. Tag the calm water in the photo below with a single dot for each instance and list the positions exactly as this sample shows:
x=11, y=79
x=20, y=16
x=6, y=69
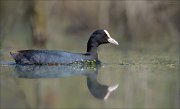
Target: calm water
x=124, y=80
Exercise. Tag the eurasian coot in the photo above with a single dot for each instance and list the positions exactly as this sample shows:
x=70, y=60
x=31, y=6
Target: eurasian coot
x=56, y=57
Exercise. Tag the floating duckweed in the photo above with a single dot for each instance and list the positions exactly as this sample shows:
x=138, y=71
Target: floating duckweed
x=87, y=64
x=171, y=65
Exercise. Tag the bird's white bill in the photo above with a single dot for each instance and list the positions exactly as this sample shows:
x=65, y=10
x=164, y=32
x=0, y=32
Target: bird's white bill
x=112, y=41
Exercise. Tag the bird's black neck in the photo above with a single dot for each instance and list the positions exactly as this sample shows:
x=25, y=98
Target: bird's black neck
x=92, y=48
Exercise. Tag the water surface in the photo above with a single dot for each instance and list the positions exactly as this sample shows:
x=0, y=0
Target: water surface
x=136, y=80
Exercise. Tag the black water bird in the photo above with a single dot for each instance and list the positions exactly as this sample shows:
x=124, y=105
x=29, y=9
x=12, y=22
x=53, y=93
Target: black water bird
x=56, y=57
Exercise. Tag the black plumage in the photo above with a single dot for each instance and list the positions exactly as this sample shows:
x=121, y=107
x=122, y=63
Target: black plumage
x=54, y=57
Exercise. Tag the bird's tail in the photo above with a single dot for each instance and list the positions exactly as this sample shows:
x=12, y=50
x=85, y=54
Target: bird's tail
x=20, y=58
x=13, y=54
x=17, y=56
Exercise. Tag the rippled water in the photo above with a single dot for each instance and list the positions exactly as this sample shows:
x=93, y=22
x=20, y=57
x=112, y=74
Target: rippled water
x=122, y=81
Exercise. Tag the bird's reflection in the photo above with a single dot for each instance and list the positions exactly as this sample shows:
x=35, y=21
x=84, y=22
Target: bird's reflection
x=43, y=71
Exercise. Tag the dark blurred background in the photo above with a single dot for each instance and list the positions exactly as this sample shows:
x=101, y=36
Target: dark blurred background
x=135, y=24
